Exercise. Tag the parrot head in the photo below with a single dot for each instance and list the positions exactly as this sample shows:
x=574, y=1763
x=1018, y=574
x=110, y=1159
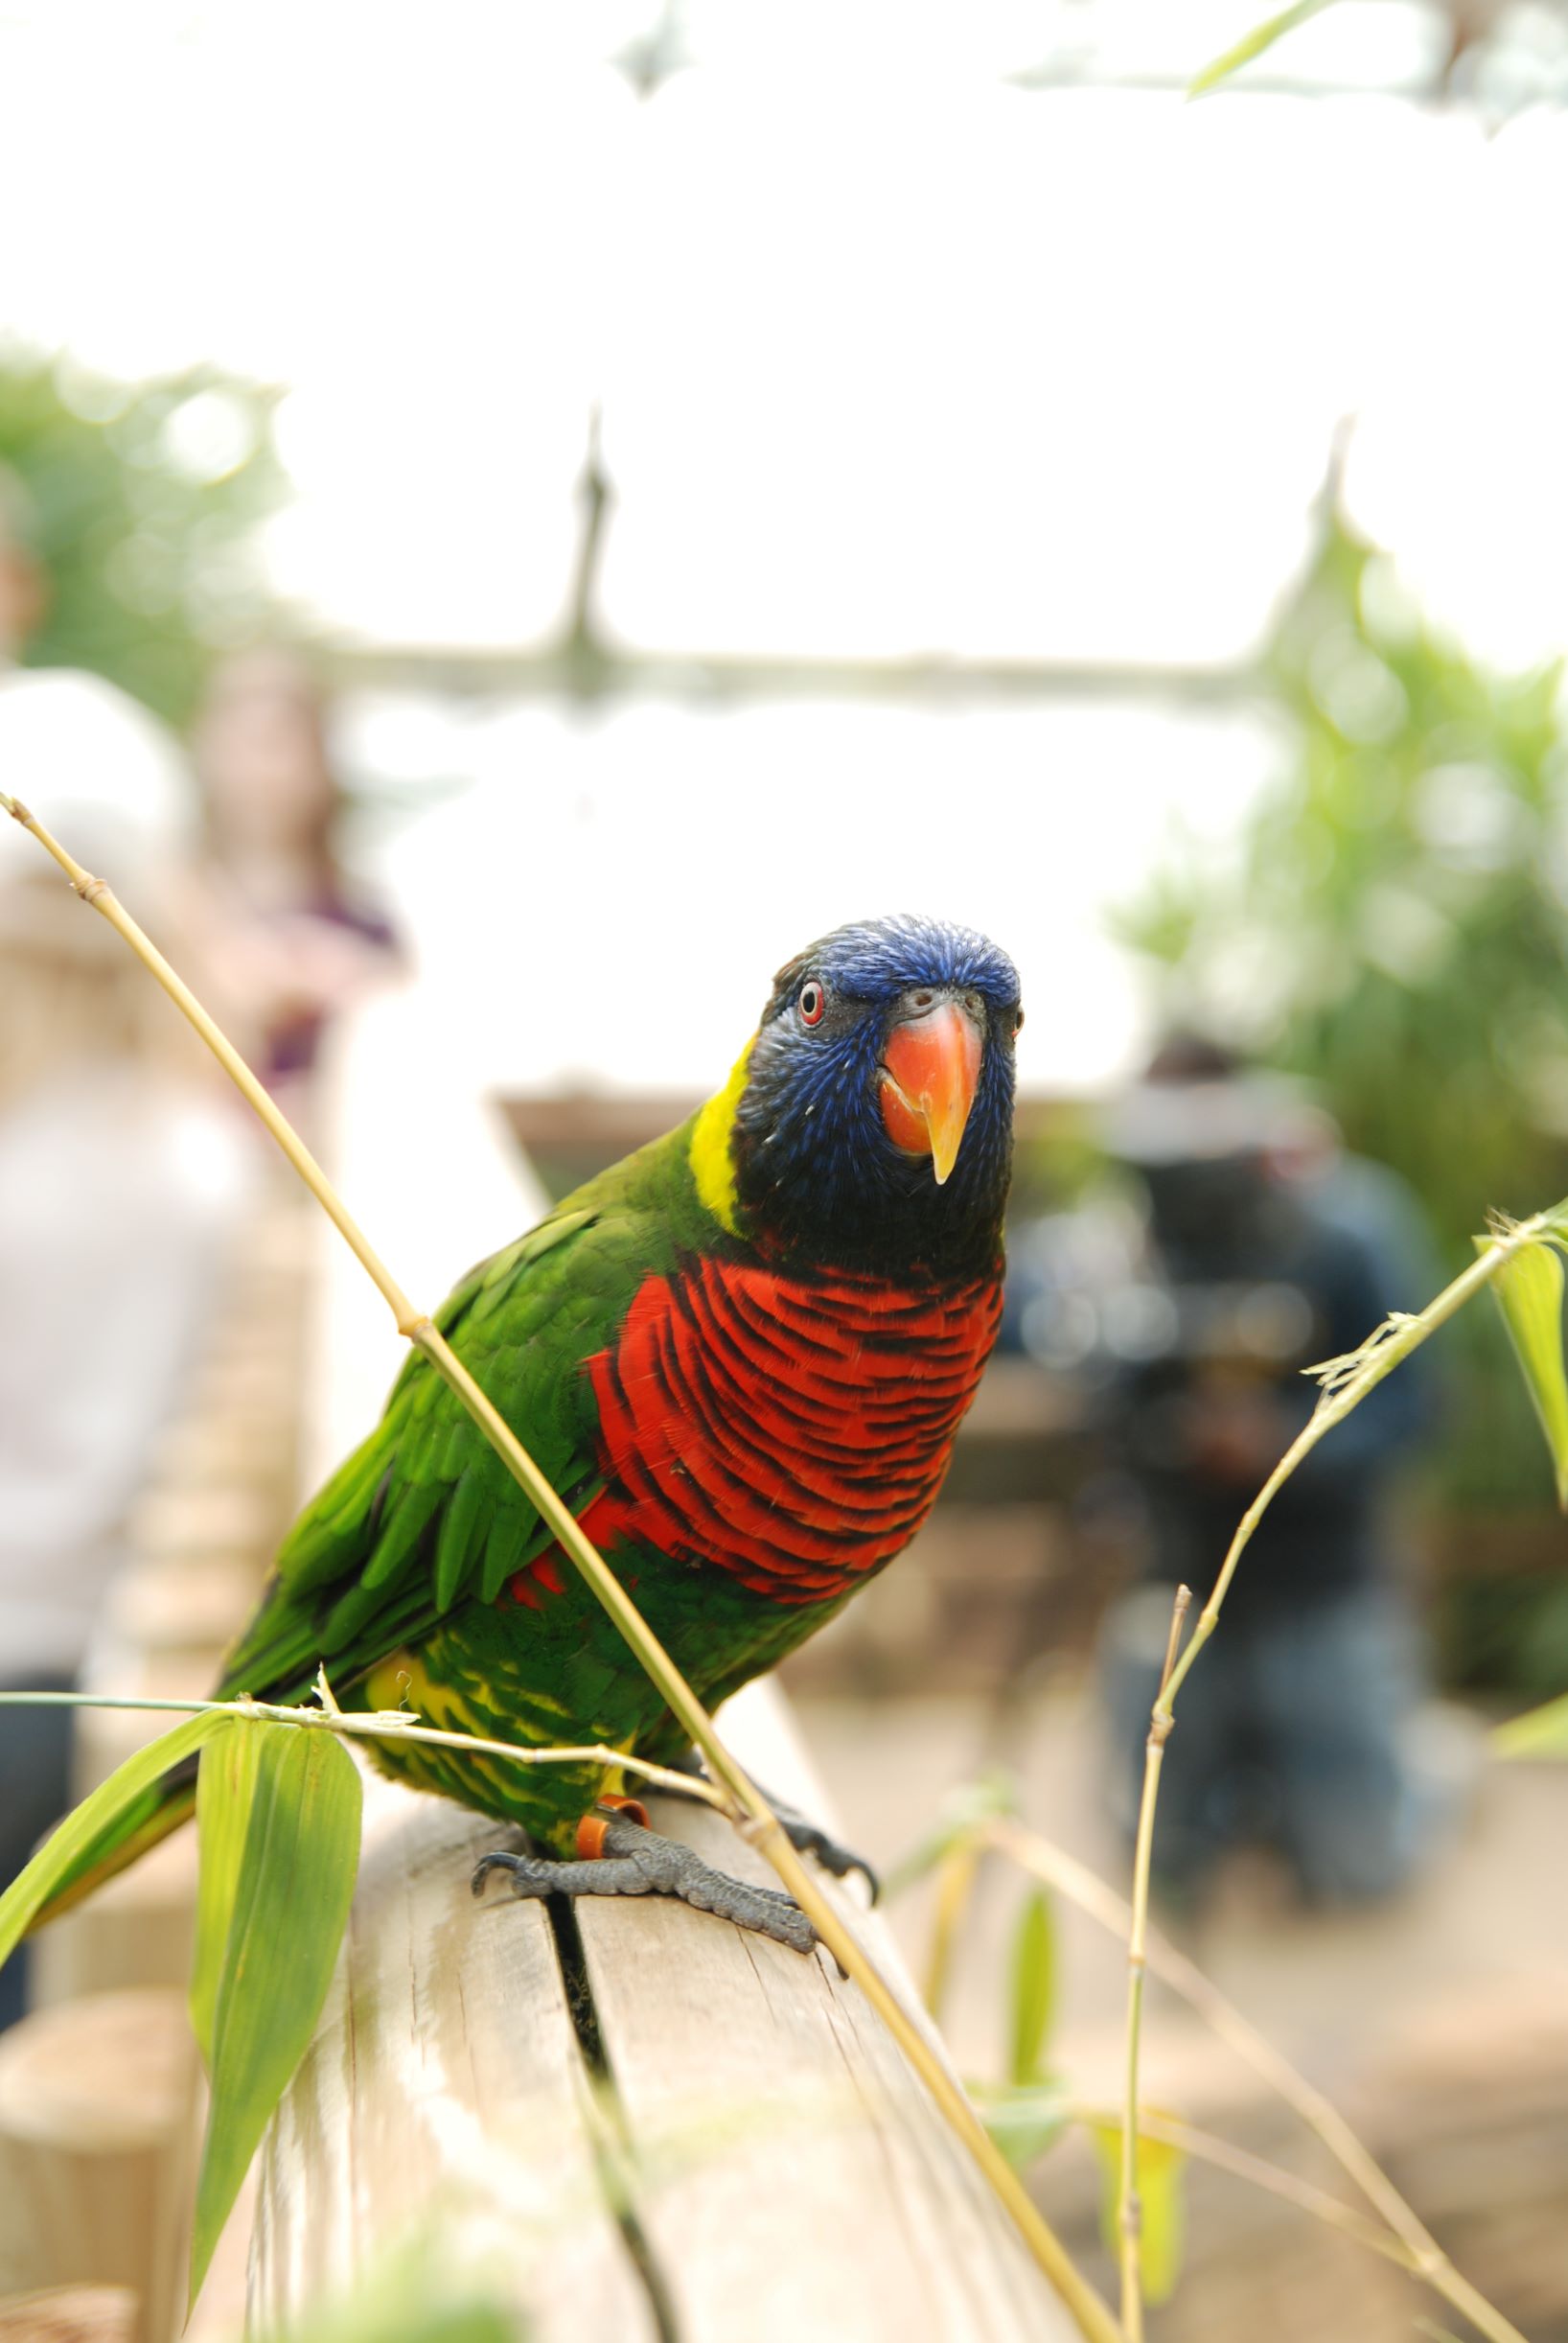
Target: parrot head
x=870, y=1118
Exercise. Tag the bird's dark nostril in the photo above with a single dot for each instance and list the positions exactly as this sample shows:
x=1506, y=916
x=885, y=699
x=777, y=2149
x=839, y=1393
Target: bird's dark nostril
x=921, y=1000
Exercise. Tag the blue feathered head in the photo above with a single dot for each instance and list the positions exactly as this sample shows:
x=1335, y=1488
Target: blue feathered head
x=873, y=1121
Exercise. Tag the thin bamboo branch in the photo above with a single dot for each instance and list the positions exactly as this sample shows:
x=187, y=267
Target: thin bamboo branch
x=1091, y=1894
x=1345, y=1383
x=759, y=1824
x=1386, y=1350
x=385, y=1725
x=1208, y=2148
x=1130, y=2211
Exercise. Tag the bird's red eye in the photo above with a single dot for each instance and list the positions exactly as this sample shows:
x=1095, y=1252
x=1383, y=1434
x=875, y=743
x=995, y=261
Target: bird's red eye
x=813, y=1001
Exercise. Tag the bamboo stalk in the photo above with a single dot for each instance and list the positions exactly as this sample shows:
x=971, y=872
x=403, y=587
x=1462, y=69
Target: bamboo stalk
x=385, y=1725
x=756, y=1818
x=1130, y=2211
x=1354, y=1378
x=1091, y=1895
x=1346, y=1382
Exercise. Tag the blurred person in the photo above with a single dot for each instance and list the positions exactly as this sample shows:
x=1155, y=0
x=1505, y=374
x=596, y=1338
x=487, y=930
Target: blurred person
x=1304, y=1726
x=287, y=939
x=62, y=730
x=121, y=1177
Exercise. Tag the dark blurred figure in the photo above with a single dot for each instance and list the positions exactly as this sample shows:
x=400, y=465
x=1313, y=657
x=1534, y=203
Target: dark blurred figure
x=291, y=941
x=1267, y=1253
x=123, y=1177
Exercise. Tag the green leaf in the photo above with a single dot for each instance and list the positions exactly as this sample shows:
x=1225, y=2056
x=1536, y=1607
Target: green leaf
x=226, y=1788
x=1162, y=2188
x=1025, y=2122
x=1540, y=1732
x=1529, y=1292
x=290, y=1904
x=93, y=1828
x=955, y=1876
x=963, y=1813
x=1034, y=1988
x=424, y=2290
x=1261, y=37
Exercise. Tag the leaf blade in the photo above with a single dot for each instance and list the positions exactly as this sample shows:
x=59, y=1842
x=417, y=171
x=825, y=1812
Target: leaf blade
x=1539, y=1733
x=1033, y=1989
x=1024, y=2122
x=965, y=1814
x=955, y=1878
x=1529, y=1292
x=1253, y=44
x=225, y=1792
x=291, y=1897
x=1161, y=2189
x=95, y=1819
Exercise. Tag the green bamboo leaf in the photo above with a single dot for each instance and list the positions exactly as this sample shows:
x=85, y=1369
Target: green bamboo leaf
x=963, y=1813
x=1024, y=2122
x=1540, y=1732
x=226, y=1788
x=955, y=1878
x=1261, y=37
x=91, y=1828
x=1162, y=2188
x=1529, y=1292
x=1034, y=1988
x=291, y=1898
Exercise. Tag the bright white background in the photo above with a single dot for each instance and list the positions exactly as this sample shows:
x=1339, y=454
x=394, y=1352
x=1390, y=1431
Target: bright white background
x=896, y=356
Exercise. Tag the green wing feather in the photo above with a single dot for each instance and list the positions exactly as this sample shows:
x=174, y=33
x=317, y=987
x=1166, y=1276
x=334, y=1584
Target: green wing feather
x=425, y=1515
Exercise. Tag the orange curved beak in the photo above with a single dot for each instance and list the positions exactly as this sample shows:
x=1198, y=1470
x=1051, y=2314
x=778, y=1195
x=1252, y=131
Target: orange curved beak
x=929, y=1073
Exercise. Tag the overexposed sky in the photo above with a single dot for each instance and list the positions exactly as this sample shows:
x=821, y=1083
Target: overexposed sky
x=895, y=357
x=607, y=903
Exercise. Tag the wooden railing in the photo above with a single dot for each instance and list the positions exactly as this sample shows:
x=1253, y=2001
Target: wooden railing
x=643, y=2126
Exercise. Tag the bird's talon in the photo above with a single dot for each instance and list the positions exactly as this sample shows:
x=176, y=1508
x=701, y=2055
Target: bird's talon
x=635, y=1861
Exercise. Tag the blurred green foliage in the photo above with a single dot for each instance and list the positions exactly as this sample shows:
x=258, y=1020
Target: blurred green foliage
x=428, y=2291
x=142, y=501
x=1394, y=927
x=1528, y=1294
x=1162, y=2188
x=1254, y=44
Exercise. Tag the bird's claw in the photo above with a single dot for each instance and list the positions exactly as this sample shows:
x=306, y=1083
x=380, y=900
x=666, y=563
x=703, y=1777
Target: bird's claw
x=638, y=1862
x=806, y=1837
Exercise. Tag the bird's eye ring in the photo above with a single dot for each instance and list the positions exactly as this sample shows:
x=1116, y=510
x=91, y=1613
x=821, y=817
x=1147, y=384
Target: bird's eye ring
x=1018, y=1021
x=813, y=1001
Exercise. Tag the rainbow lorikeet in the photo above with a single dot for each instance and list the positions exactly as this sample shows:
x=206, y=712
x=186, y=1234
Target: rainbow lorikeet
x=741, y=1355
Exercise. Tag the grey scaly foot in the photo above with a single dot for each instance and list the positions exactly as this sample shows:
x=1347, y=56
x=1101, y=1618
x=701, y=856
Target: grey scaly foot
x=806, y=1837
x=634, y=1861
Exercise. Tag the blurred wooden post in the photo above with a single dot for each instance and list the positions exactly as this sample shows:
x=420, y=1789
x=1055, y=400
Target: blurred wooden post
x=69, y=2314
x=95, y=2108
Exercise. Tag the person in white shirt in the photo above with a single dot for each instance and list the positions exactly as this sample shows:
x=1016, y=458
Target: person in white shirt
x=123, y=1175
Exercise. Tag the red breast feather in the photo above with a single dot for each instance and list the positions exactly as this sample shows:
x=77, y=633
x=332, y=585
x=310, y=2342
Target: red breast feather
x=794, y=1432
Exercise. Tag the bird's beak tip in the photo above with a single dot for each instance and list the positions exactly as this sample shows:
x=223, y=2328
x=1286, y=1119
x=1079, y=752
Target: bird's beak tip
x=930, y=1070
